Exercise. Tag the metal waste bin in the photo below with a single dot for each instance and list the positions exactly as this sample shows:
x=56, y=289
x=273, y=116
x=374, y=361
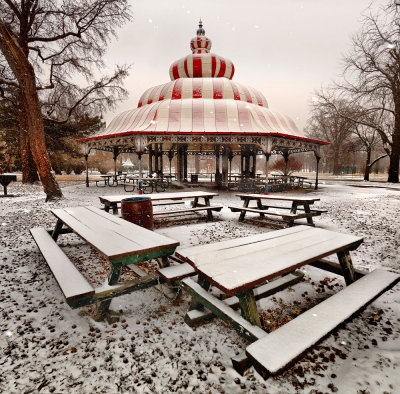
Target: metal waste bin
x=138, y=210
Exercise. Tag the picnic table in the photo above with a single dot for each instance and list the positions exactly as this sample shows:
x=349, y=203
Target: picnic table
x=148, y=184
x=236, y=267
x=115, y=179
x=297, y=203
x=121, y=242
x=112, y=202
x=5, y=180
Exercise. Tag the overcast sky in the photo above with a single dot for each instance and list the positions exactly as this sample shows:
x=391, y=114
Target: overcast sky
x=284, y=48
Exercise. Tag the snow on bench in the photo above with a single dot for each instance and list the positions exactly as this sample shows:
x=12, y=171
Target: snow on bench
x=72, y=283
x=188, y=210
x=276, y=351
x=176, y=272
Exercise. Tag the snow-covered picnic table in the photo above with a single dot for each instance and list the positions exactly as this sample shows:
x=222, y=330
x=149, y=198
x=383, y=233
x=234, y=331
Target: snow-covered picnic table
x=113, y=201
x=237, y=266
x=121, y=242
x=266, y=208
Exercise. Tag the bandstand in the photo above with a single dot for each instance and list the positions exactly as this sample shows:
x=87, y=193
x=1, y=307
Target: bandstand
x=202, y=112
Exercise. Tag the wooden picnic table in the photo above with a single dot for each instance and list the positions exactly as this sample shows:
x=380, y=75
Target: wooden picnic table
x=5, y=180
x=236, y=267
x=121, y=242
x=112, y=202
x=297, y=203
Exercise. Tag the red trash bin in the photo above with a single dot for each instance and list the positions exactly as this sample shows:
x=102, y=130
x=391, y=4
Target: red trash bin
x=138, y=210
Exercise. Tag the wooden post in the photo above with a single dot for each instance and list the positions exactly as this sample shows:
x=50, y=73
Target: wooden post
x=347, y=266
x=248, y=307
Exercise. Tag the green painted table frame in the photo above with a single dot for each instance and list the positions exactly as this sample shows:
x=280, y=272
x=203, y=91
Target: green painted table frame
x=102, y=299
x=295, y=205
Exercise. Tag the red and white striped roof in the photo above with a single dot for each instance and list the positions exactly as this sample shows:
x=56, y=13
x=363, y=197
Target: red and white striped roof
x=197, y=88
x=204, y=116
x=199, y=101
x=202, y=65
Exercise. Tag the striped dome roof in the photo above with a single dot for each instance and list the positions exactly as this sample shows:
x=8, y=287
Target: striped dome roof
x=198, y=101
x=202, y=116
x=197, y=88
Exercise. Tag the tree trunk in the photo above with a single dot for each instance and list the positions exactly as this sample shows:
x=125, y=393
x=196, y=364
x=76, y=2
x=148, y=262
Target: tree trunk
x=25, y=75
x=393, y=175
x=367, y=165
x=29, y=171
x=336, y=163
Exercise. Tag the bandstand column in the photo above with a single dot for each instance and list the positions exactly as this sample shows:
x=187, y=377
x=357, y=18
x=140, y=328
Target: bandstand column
x=286, y=157
x=267, y=156
x=87, y=167
x=225, y=153
x=150, y=160
x=179, y=163
x=156, y=159
x=185, y=162
x=318, y=157
x=254, y=156
x=247, y=161
x=115, y=155
x=161, y=160
x=217, y=172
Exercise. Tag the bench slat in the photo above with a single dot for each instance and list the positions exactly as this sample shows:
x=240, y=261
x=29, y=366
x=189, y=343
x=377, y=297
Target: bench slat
x=72, y=283
x=277, y=350
x=284, y=215
x=188, y=210
x=176, y=272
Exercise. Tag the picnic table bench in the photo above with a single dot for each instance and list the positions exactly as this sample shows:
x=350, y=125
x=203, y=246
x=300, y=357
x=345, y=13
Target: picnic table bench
x=236, y=267
x=113, y=202
x=5, y=180
x=121, y=242
x=299, y=208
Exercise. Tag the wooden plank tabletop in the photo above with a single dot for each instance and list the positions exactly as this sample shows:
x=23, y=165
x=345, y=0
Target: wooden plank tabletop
x=243, y=263
x=159, y=196
x=277, y=197
x=111, y=235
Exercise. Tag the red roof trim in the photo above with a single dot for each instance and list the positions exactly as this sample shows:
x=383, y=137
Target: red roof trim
x=202, y=133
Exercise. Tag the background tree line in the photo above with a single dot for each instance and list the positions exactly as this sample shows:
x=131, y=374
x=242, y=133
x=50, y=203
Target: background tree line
x=361, y=111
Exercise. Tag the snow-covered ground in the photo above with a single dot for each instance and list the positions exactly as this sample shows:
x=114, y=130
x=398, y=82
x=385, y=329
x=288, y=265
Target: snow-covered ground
x=45, y=346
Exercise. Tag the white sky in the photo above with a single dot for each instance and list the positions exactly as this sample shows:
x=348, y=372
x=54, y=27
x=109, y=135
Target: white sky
x=284, y=48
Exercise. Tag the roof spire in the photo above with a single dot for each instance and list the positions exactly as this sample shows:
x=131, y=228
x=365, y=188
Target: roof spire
x=200, y=30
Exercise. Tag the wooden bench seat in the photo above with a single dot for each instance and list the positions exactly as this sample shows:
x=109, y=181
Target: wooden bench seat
x=174, y=273
x=273, y=353
x=72, y=283
x=286, y=216
x=188, y=210
x=318, y=210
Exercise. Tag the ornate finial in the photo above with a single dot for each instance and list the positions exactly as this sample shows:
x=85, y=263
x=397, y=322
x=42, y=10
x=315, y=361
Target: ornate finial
x=200, y=30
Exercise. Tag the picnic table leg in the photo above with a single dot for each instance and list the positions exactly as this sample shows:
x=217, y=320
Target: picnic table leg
x=248, y=307
x=115, y=208
x=195, y=202
x=57, y=228
x=309, y=217
x=102, y=310
x=347, y=266
x=205, y=284
x=260, y=206
x=243, y=213
x=106, y=207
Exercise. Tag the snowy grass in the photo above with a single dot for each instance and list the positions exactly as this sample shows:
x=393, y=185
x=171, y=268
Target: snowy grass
x=48, y=347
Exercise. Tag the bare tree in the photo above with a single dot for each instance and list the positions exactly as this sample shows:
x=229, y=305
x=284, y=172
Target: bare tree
x=326, y=125
x=371, y=80
x=47, y=45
